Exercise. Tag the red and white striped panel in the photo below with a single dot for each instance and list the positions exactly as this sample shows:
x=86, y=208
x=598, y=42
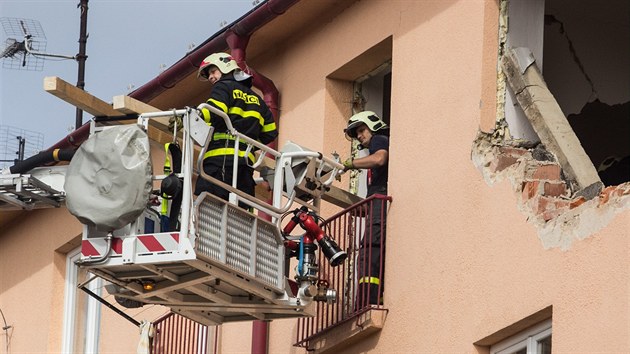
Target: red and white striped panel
x=148, y=243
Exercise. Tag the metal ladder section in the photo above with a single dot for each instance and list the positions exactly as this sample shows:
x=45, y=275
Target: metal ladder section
x=234, y=272
x=41, y=188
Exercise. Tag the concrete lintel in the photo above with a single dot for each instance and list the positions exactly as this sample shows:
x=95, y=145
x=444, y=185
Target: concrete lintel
x=549, y=122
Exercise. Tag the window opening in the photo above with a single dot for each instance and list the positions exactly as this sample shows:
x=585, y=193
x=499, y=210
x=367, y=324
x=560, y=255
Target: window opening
x=535, y=340
x=586, y=54
x=372, y=92
x=365, y=83
x=582, y=52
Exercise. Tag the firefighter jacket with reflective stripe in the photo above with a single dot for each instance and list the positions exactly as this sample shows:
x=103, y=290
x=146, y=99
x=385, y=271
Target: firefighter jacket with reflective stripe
x=248, y=113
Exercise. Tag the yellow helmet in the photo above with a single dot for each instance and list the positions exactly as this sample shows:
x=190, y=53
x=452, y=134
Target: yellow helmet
x=368, y=118
x=223, y=61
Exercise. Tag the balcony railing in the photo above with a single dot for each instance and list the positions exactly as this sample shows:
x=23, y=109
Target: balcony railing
x=359, y=288
x=178, y=334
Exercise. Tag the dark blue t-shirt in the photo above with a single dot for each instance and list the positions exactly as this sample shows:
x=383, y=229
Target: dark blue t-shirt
x=378, y=181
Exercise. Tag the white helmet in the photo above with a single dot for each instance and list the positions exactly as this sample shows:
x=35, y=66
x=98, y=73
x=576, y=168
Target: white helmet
x=223, y=61
x=368, y=118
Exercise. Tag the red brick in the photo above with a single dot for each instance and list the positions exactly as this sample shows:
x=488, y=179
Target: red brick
x=542, y=204
x=501, y=162
x=530, y=189
x=513, y=151
x=554, y=188
x=605, y=194
x=547, y=172
x=577, y=202
x=549, y=189
x=608, y=192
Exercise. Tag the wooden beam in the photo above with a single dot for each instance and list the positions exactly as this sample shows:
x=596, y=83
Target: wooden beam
x=158, y=128
x=78, y=97
x=129, y=105
x=549, y=122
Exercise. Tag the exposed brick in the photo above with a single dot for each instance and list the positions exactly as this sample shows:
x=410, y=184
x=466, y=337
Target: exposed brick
x=577, y=202
x=501, y=162
x=541, y=204
x=555, y=188
x=530, y=189
x=548, y=207
x=513, y=151
x=549, y=189
x=547, y=172
x=608, y=192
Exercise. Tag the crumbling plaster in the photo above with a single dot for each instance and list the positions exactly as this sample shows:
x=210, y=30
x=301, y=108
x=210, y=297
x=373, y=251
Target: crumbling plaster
x=559, y=216
x=552, y=203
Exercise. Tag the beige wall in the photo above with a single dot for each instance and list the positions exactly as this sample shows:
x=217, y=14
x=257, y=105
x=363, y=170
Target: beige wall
x=33, y=250
x=463, y=262
x=31, y=281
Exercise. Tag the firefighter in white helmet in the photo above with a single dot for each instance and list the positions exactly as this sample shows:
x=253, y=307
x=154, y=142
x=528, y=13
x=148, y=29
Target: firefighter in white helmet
x=249, y=114
x=370, y=131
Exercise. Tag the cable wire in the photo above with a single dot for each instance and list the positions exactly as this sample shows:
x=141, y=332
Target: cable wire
x=6, y=330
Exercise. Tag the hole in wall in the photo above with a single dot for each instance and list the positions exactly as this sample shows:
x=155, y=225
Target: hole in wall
x=586, y=55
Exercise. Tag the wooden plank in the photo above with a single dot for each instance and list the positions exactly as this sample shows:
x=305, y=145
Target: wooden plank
x=158, y=127
x=129, y=105
x=78, y=97
x=549, y=122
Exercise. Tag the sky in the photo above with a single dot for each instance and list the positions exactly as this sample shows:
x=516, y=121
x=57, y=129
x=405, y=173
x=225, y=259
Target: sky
x=130, y=42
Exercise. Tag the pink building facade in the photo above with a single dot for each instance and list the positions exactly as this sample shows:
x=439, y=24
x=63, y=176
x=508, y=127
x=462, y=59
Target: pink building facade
x=489, y=243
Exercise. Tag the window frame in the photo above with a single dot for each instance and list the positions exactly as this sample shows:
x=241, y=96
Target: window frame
x=528, y=339
x=92, y=312
x=362, y=87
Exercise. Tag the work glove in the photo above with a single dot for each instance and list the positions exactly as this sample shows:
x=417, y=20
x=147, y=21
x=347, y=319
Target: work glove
x=171, y=123
x=348, y=164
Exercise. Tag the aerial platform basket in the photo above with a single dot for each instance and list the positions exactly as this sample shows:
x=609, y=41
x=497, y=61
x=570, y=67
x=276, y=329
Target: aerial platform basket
x=232, y=271
x=223, y=264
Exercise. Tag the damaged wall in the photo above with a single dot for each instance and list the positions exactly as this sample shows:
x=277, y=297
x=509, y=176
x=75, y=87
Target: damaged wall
x=586, y=53
x=586, y=56
x=543, y=194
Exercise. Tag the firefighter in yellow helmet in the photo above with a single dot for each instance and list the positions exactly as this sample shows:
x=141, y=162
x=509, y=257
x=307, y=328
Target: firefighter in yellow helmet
x=249, y=114
x=369, y=130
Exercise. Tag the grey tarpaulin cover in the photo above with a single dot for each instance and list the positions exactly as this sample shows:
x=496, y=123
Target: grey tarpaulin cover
x=108, y=181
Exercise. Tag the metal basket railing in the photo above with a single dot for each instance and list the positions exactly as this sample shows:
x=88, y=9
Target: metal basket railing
x=352, y=228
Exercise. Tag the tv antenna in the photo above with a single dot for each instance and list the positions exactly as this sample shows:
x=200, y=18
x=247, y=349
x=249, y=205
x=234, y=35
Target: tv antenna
x=29, y=53
x=17, y=144
x=25, y=45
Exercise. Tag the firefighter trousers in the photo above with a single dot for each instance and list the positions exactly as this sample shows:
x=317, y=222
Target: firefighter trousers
x=371, y=261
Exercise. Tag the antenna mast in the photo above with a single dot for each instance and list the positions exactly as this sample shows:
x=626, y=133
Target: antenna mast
x=81, y=57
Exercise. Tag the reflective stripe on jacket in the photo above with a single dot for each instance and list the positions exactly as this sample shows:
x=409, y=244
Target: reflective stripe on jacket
x=248, y=113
